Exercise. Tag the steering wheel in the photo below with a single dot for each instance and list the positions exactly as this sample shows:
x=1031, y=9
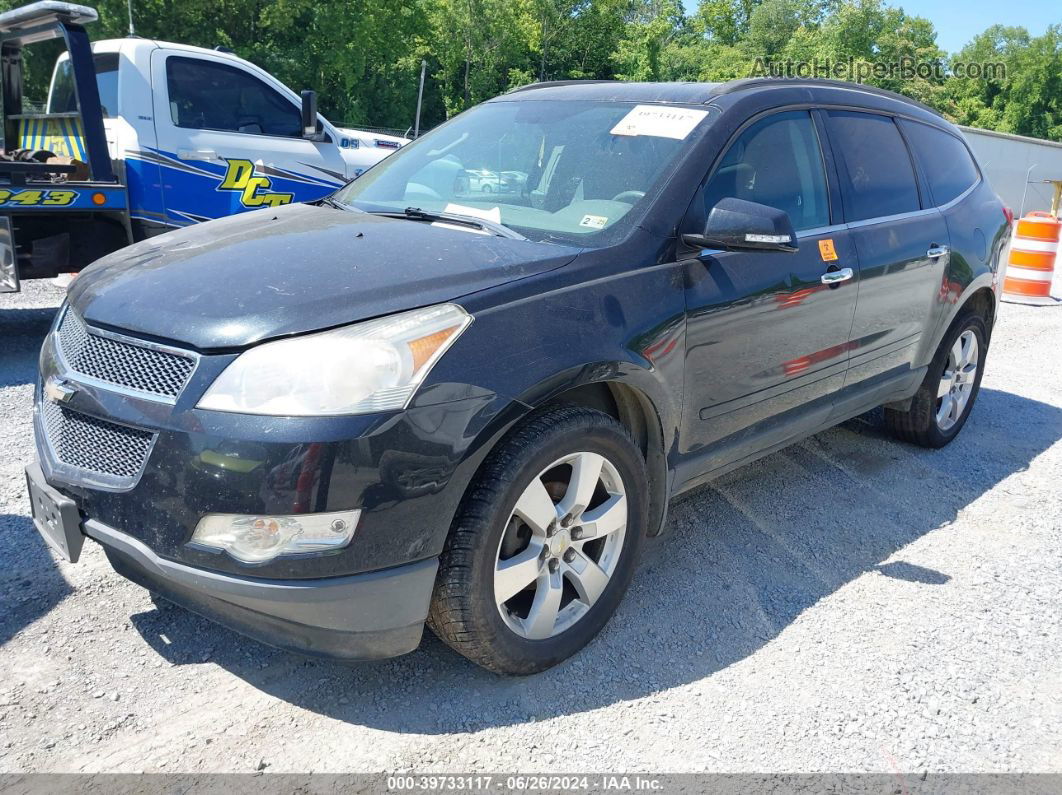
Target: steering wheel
x=628, y=196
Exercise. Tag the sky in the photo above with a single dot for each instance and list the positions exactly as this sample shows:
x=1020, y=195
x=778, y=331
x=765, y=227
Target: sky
x=958, y=21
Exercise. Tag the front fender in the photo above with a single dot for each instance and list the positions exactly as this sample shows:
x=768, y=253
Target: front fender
x=563, y=330
x=628, y=327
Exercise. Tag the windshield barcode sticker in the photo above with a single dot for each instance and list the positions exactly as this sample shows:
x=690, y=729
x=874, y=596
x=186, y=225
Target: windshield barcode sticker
x=660, y=120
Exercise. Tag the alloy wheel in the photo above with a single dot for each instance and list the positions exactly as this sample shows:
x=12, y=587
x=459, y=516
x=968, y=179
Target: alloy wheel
x=561, y=545
x=957, y=381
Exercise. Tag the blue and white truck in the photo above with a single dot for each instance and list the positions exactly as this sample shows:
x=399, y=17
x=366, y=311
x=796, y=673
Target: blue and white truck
x=161, y=135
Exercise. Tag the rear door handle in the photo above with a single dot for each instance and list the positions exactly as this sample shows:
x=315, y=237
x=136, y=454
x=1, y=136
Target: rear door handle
x=937, y=251
x=197, y=154
x=836, y=277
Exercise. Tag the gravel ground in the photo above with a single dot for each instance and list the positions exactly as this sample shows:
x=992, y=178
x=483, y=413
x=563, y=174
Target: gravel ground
x=849, y=604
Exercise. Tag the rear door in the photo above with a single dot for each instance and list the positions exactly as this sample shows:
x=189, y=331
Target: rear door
x=951, y=174
x=901, y=240
x=767, y=340
x=228, y=141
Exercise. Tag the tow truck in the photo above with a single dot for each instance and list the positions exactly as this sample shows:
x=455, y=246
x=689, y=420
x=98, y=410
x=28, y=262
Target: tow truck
x=139, y=137
x=52, y=218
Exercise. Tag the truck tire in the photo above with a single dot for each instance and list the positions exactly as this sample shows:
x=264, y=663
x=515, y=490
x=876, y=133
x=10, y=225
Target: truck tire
x=544, y=544
x=944, y=400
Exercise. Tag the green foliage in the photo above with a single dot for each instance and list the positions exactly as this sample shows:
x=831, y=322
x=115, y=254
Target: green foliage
x=364, y=58
x=649, y=28
x=1028, y=99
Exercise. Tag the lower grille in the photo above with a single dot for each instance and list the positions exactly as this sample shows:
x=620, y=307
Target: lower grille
x=95, y=445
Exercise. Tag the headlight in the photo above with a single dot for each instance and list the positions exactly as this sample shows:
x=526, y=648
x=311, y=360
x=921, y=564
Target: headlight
x=256, y=539
x=359, y=369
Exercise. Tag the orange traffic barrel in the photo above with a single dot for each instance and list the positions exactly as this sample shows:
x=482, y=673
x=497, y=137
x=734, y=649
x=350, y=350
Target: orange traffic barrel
x=1032, y=260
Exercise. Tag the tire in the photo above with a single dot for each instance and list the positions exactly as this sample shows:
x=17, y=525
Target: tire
x=492, y=542
x=922, y=423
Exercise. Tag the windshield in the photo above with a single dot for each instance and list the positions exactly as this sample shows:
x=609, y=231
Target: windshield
x=551, y=170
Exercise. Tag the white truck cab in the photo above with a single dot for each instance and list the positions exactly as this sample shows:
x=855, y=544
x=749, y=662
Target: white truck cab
x=201, y=134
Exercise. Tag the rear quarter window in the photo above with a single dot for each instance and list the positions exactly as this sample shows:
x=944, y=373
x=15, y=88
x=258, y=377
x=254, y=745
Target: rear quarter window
x=63, y=97
x=944, y=158
x=880, y=177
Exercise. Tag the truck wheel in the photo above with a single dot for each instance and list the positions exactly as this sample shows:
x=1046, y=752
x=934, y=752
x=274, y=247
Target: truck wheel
x=544, y=544
x=940, y=407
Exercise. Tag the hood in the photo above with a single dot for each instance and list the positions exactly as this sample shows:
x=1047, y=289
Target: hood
x=270, y=273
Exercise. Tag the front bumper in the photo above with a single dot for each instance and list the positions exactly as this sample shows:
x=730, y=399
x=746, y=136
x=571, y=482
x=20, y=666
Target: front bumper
x=361, y=617
x=405, y=471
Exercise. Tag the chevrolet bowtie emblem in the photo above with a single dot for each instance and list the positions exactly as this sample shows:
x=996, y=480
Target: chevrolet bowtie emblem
x=59, y=390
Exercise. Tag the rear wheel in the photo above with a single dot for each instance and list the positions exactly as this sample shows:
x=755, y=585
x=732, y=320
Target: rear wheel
x=943, y=403
x=545, y=543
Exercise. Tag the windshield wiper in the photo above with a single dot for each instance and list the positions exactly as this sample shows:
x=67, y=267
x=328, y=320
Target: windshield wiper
x=417, y=214
x=337, y=205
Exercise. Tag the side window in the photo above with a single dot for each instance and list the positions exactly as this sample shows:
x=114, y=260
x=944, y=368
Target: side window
x=206, y=95
x=944, y=158
x=107, y=83
x=63, y=97
x=776, y=162
x=881, y=179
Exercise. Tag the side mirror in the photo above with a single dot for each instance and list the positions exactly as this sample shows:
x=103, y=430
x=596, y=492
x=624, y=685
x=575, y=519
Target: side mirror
x=309, y=113
x=738, y=224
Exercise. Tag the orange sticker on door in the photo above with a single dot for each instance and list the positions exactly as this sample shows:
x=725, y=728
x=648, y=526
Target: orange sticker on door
x=826, y=250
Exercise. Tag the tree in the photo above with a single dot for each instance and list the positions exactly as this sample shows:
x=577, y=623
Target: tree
x=773, y=24
x=650, y=27
x=725, y=21
x=478, y=44
x=364, y=59
x=1025, y=96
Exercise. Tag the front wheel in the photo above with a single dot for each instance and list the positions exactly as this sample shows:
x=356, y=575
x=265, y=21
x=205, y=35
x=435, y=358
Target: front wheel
x=943, y=403
x=544, y=544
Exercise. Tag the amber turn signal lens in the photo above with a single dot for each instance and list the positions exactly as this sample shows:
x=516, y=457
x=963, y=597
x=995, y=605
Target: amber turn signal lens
x=425, y=347
x=98, y=199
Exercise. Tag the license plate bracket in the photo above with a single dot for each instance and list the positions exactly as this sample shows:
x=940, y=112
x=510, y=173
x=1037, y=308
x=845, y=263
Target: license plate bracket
x=56, y=517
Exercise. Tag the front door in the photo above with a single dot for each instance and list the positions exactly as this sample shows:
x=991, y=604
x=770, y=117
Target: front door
x=228, y=141
x=767, y=339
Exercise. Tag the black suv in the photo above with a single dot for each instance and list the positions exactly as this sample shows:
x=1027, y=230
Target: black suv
x=422, y=401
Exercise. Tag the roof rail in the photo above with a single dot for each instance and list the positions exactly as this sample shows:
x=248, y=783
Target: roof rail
x=554, y=83
x=748, y=83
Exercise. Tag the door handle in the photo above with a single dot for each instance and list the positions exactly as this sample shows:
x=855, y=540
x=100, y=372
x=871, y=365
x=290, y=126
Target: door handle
x=198, y=154
x=836, y=277
x=937, y=251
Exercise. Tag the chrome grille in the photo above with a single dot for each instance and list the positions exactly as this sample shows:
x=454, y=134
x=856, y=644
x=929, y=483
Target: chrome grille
x=124, y=364
x=95, y=445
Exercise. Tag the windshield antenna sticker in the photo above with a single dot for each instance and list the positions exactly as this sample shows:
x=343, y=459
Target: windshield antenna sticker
x=659, y=121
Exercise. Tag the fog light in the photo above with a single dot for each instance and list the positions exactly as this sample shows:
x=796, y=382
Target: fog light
x=257, y=539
